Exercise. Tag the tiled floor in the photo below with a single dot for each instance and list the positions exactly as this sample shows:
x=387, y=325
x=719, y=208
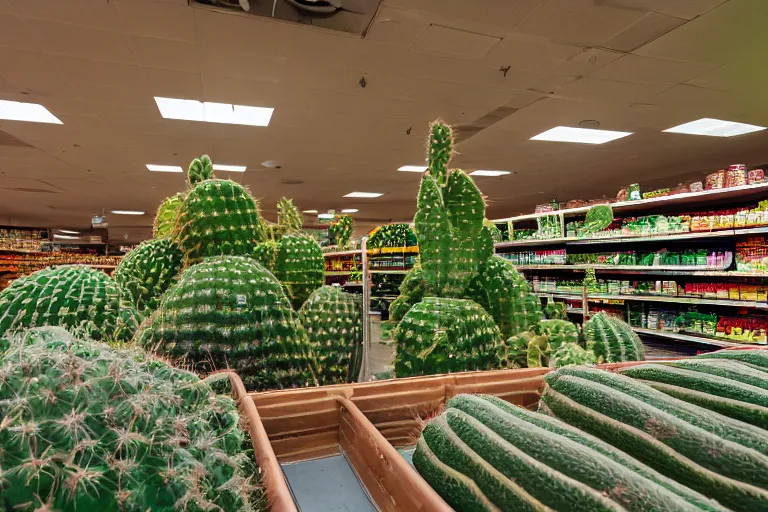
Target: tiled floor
x=327, y=485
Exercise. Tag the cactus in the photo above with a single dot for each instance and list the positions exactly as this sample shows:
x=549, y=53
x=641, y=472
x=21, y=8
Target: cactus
x=556, y=310
x=147, y=271
x=505, y=294
x=299, y=267
x=570, y=353
x=165, y=218
x=447, y=335
x=266, y=254
x=333, y=322
x=392, y=235
x=218, y=217
x=289, y=217
x=230, y=312
x=612, y=340
x=494, y=231
x=439, y=150
x=200, y=169
x=340, y=230
x=559, y=332
x=526, y=350
x=412, y=290
x=87, y=427
x=73, y=296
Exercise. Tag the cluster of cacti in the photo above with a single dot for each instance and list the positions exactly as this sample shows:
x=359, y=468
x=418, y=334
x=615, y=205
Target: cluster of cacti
x=146, y=272
x=527, y=350
x=447, y=335
x=218, y=217
x=333, y=322
x=266, y=253
x=556, y=310
x=570, y=353
x=77, y=297
x=612, y=340
x=200, y=169
x=559, y=332
x=392, y=235
x=167, y=212
x=230, y=312
x=87, y=427
x=340, y=230
x=484, y=454
x=299, y=266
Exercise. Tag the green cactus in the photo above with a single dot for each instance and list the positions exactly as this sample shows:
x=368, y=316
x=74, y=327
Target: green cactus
x=494, y=231
x=439, y=150
x=165, y=218
x=147, y=271
x=526, y=350
x=612, y=340
x=333, y=322
x=340, y=230
x=412, y=290
x=87, y=427
x=230, y=312
x=218, y=217
x=266, y=254
x=447, y=335
x=598, y=218
x=570, y=353
x=505, y=294
x=300, y=266
x=73, y=296
x=559, y=332
x=289, y=216
x=537, y=354
x=556, y=310
x=200, y=169
x=392, y=235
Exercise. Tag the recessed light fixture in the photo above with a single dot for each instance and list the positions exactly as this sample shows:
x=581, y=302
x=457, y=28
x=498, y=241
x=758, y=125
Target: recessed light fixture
x=127, y=212
x=326, y=216
x=29, y=112
x=229, y=168
x=715, y=128
x=65, y=237
x=413, y=168
x=489, y=173
x=350, y=210
x=164, y=168
x=309, y=211
x=365, y=195
x=69, y=232
x=209, y=112
x=579, y=135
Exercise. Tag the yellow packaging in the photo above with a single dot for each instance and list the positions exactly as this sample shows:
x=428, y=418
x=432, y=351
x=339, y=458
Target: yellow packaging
x=748, y=292
x=733, y=293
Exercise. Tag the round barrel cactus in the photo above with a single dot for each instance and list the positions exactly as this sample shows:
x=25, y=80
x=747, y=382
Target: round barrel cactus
x=300, y=266
x=146, y=272
x=333, y=322
x=612, y=340
x=559, y=332
x=166, y=215
x=218, y=217
x=87, y=427
x=230, y=312
x=74, y=296
x=447, y=335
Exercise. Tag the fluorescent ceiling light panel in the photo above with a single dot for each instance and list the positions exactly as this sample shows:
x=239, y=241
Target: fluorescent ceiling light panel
x=30, y=112
x=580, y=135
x=209, y=112
x=229, y=168
x=489, y=173
x=127, y=212
x=309, y=211
x=413, y=168
x=66, y=237
x=69, y=232
x=365, y=195
x=715, y=128
x=164, y=168
x=326, y=216
x=350, y=210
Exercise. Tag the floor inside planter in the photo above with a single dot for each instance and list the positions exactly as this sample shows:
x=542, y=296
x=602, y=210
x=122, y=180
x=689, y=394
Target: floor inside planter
x=327, y=485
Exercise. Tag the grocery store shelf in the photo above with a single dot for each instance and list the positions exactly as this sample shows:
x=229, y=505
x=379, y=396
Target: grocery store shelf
x=683, y=270
x=19, y=251
x=342, y=253
x=353, y=284
x=744, y=191
x=689, y=338
x=660, y=298
x=373, y=271
x=337, y=272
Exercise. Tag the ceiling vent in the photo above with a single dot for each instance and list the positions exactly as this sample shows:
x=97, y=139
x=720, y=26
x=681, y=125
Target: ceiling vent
x=352, y=16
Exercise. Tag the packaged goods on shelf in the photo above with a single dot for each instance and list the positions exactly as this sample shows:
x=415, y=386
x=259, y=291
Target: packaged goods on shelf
x=752, y=254
x=550, y=257
x=705, y=258
x=18, y=239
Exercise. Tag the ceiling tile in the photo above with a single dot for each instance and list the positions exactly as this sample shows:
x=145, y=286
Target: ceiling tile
x=583, y=22
x=160, y=53
x=14, y=33
x=33, y=72
x=587, y=61
x=83, y=42
x=100, y=15
x=644, y=70
x=455, y=43
x=396, y=26
x=98, y=72
x=159, y=20
x=119, y=95
x=504, y=14
x=174, y=84
x=686, y=9
x=528, y=52
x=646, y=29
x=610, y=91
x=260, y=68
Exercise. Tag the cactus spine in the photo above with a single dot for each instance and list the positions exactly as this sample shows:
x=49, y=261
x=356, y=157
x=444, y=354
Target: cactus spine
x=73, y=296
x=165, y=218
x=333, y=322
x=146, y=272
x=340, y=230
x=230, y=312
x=87, y=427
x=299, y=266
x=612, y=340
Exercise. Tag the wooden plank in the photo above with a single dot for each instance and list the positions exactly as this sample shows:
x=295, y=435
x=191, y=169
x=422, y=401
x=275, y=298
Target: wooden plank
x=301, y=423
x=298, y=443
x=317, y=452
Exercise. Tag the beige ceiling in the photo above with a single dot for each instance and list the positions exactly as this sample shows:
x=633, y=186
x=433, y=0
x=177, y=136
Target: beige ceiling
x=633, y=65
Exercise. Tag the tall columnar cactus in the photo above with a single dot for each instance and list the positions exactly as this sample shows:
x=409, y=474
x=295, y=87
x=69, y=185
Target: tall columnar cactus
x=73, y=296
x=333, y=322
x=612, y=340
x=340, y=230
x=266, y=254
x=218, y=217
x=146, y=272
x=200, y=169
x=505, y=293
x=484, y=454
x=165, y=218
x=87, y=427
x=447, y=335
x=289, y=217
x=299, y=267
x=230, y=312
